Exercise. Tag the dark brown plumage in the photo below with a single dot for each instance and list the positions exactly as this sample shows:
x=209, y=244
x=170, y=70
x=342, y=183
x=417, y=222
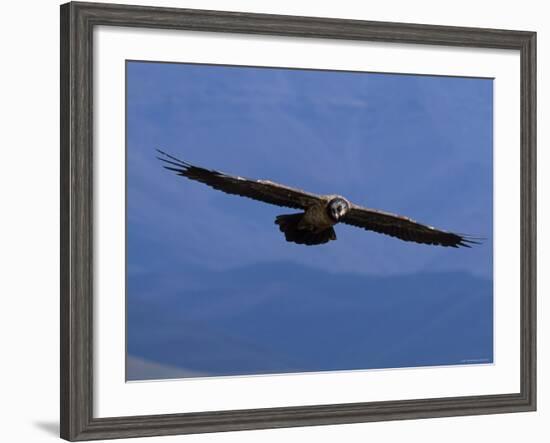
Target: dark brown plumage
x=321, y=212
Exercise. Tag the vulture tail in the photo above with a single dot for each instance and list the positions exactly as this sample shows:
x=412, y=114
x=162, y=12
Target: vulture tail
x=290, y=225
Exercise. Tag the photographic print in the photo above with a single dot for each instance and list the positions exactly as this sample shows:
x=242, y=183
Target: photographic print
x=294, y=221
x=274, y=221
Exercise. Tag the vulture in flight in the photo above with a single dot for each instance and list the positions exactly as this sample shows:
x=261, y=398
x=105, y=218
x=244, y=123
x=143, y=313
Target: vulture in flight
x=314, y=225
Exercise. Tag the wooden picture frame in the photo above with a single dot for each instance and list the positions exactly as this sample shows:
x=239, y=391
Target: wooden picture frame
x=77, y=23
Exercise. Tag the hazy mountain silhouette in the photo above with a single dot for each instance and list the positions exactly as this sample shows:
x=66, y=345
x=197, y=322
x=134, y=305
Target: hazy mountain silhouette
x=283, y=317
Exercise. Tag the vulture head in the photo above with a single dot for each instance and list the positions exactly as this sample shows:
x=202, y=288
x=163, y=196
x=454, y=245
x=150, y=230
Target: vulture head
x=337, y=208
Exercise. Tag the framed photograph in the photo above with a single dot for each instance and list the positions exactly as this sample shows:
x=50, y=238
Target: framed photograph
x=272, y=221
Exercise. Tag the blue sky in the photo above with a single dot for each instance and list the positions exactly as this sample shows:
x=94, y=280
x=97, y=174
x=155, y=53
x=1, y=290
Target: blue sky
x=415, y=145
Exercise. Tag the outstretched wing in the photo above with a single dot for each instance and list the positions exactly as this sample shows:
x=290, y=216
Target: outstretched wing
x=262, y=190
x=403, y=228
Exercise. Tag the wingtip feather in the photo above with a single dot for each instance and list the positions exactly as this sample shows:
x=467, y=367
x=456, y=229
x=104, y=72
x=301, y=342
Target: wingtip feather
x=468, y=240
x=173, y=159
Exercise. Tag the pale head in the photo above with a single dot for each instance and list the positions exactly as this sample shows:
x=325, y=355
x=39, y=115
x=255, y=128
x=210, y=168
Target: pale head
x=337, y=208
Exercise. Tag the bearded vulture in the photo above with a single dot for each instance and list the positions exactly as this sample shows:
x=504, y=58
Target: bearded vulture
x=314, y=225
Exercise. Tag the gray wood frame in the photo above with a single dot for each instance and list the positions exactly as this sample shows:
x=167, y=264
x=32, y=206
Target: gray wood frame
x=77, y=24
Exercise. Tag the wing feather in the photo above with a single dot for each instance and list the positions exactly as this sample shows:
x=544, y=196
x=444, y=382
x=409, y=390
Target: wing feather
x=403, y=228
x=262, y=190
